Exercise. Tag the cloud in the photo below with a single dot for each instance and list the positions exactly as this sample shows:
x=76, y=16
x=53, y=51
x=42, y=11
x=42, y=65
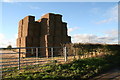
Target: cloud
x=109, y=36
x=119, y=42
x=106, y=20
x=113, y=32
x=95, y=10
x=111, y=15
x=66, y=0
x=91, y=38
x=72, y=29
x=34, y=7
x=2, y=37
x=83, y=38
x=9, y=1
x=107, y=39
x=4, y=41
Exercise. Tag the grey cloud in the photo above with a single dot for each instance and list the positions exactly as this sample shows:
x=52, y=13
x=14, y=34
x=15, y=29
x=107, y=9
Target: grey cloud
x=83, y=38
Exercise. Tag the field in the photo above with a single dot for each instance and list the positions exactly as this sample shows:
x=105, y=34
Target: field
x=82, y=69
x=78, y=67
x=10, y=59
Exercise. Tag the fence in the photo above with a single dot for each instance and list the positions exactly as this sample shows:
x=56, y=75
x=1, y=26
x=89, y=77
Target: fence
x=26, y=56
x=16, y=57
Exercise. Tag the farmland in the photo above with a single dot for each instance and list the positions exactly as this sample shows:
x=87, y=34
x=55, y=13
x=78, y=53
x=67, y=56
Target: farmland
x=78, y=67
x=75, y=70
x=10, y=57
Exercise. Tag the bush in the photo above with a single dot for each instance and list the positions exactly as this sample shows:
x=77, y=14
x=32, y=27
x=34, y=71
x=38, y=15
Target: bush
x=9, y=46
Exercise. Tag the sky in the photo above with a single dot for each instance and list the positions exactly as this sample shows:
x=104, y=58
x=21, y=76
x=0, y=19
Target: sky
x=94, y=22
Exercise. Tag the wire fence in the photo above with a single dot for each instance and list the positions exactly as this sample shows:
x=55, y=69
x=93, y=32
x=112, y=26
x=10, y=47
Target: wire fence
x=27, y=56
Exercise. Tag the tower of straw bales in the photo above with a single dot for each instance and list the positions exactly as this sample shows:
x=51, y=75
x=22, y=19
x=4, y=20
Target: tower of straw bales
x=49, y=31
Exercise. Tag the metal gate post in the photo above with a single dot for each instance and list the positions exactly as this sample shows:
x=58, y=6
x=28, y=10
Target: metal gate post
x=52, y=53
x=36, y=55
x=32, y=52
x=65, y=53
x=19, y=60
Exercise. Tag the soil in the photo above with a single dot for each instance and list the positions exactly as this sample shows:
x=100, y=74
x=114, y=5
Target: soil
x=113, y=74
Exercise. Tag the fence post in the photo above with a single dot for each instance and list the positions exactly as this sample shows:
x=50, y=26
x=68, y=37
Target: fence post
x=65, y=53
x=36, y=55
x=1, y=66
x=32, y=51
x=19, y=60
x=74, y=53
x=52, y=53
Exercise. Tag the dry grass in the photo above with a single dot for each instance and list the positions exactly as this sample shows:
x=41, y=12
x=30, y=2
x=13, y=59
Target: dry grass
x=35, y=60
x=8, y=55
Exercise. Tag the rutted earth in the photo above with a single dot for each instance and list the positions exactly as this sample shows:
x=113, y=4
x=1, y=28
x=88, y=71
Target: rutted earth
x=110, y=75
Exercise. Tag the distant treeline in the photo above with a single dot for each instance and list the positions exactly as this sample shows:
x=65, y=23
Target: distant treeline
x=9, y=47
x=86, y=48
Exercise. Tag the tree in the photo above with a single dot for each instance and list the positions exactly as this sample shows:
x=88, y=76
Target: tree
x=9, y=46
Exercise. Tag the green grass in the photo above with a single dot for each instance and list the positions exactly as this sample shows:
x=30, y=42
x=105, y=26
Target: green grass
x=81, y=69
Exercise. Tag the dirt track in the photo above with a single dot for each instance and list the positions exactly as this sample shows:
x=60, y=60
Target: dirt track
x=110, y=75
